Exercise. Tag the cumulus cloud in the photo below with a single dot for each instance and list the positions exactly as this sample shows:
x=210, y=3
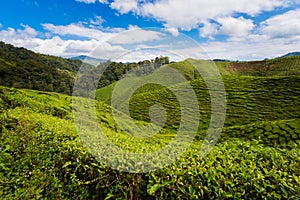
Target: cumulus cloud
x=77, y=30
x=235, y=27
x=209, y=29
x=86, y=1
x=246, y=39
x=29, y=38
x=190, y=13
x=209, y=17
x=173, y=31
x=97, y=22
x=92, y=1
x=282, y=26
x=273, y=37
x=52, y=42
x=108, y=51
x=212, y=17
x=18, y=34
x=136, y=35
x=250, y=50
x=124, y=6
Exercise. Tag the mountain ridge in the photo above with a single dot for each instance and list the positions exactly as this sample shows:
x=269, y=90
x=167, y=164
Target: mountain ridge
x=88, y=59
x=296, y=53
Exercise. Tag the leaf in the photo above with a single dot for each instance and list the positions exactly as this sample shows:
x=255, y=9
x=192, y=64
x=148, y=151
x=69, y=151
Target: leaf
x=154, y=188
x=191, y=190
x=67, y=164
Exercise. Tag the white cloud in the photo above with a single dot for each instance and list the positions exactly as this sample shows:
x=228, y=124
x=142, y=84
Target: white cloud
x=27, y=38
x=282, y=26
x=209, y=30
x=103, y=1
x=55, y=45
x=108, y=51
x=256, y=49
x=199, y=14
x=86, y=1
x=135, y=35
x=92, y=1
x=252, y=47
x=18, y=34
x=214, y=17
x=211, y=17
x=28, y=31
x=273, y=37
x=78, y=30
x=190, y=13
x=136, y=56
x=97, y=22
x=90, y=39
x=235, y=27
x=173, y=31
x=124, y=6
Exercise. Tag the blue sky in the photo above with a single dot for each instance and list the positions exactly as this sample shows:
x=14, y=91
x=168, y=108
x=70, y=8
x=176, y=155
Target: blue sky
x=230, y=29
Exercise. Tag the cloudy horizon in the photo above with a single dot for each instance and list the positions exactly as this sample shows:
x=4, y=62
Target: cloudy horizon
x=234, y=30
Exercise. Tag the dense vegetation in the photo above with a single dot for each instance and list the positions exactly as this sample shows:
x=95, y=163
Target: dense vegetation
x=21, y=68
x=40, y=150
x=256, y=157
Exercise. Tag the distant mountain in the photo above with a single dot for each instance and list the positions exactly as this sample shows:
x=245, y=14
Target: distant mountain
x=291, y=54
x=221, y=60
x=88, y=59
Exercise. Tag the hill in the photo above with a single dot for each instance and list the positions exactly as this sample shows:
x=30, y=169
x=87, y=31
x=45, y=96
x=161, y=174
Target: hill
x=21, y=68
x=286, y=66
x=88, y=59
x=41, y=149
x=42, y=155
x=291, y=54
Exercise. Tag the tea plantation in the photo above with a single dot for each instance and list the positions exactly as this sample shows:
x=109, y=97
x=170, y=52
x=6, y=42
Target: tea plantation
x=256, y=157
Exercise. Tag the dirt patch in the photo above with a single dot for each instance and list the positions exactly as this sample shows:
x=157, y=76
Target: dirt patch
x=253, y=66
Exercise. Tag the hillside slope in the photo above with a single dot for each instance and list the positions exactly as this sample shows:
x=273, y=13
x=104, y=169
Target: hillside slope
x=21, y=68
x=41, y=156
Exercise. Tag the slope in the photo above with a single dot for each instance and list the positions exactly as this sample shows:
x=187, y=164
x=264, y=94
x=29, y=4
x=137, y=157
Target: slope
x=21, y=68
x=41, y=156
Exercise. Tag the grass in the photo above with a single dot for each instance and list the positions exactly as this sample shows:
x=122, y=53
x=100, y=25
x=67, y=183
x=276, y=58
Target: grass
x=249, y=99
x=256, y=157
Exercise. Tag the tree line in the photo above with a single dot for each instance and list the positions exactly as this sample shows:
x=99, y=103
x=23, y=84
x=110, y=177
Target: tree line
x=22, y=68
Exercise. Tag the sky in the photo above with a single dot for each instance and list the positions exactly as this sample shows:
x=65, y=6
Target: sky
x=111, y=29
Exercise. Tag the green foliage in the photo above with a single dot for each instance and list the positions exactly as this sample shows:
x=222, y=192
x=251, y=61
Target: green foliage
x=235, y=169
x=41, y=102
x=281, y=134
x=21, y=68
x=186, y=69
x=286, y=66
x=42, y=156
x=249, y=99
